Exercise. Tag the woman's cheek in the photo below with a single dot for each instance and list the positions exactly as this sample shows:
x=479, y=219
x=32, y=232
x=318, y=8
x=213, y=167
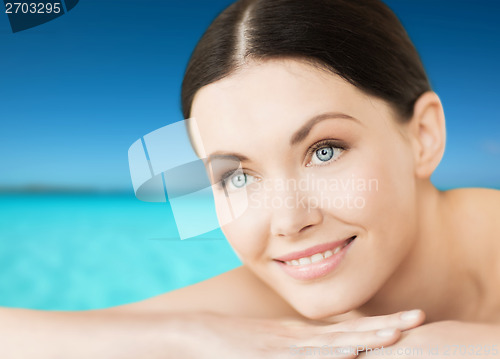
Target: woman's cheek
x=347, y=195
x=389, y=213
x=247, y=235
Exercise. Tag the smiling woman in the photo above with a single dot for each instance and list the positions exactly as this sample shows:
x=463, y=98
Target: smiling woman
x=325, y=91
x=396, y=223
x=333, y=131
x=322, y=91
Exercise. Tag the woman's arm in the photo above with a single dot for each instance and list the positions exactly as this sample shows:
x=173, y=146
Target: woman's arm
x=27, y=334
x=206, y=320
x=174, y=321
x=37, y=334
x=140, y=327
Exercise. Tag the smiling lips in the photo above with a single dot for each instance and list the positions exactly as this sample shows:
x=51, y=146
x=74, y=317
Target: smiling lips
x=316, y=261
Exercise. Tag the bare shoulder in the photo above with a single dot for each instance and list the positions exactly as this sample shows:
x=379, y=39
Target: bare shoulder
x=475, y=220
x=479, y=193
x=236, y=292
x=475, y=214
x=483, y=202
x=486, y=196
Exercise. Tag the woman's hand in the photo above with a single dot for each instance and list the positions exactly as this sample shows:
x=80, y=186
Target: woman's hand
x=230, y=337
x=450, y=339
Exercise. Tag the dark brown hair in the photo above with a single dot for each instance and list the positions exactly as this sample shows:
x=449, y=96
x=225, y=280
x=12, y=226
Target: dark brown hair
x=360, y=40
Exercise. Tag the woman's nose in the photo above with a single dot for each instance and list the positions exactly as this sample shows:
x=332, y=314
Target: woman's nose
x=292, y=213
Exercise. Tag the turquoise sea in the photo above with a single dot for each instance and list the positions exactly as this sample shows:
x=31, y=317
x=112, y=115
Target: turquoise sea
x=87, y=251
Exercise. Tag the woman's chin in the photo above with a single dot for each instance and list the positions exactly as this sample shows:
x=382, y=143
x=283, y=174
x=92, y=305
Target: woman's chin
x=323, y=310
x=321, y=315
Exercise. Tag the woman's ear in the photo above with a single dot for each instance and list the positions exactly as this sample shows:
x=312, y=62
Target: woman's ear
x=427, y=128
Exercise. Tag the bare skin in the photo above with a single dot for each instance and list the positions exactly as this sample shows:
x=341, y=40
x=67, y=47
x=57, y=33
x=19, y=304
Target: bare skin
x=416, y=247
x=467, y=262
x=450, y=270
x=418, y=239
x=478, y=294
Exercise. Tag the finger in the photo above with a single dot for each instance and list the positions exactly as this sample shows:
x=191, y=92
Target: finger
x=401, y=320
x=360, y=341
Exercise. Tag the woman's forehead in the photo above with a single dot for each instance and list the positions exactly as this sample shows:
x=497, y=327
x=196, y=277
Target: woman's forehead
x=275, y=97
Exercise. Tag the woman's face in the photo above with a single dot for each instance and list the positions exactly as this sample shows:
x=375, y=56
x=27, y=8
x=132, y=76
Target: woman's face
x=323, y=163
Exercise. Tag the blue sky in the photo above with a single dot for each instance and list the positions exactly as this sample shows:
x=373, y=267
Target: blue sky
x=78, y=91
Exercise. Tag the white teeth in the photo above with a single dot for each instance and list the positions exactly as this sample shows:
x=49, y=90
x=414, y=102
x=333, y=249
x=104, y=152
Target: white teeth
x=305, y=260
x=318, y=257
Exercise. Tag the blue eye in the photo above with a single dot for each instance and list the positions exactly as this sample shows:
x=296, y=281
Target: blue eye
x=239, y=180
x=324, y=154
x=235, y=180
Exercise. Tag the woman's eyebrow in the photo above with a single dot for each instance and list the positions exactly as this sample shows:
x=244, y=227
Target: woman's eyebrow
x=298, y=136
x=302, y=132
x=221, y=155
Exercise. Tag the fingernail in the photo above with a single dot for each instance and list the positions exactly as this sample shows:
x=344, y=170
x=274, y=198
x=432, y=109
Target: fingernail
x=411, y=314
x=387, y=332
